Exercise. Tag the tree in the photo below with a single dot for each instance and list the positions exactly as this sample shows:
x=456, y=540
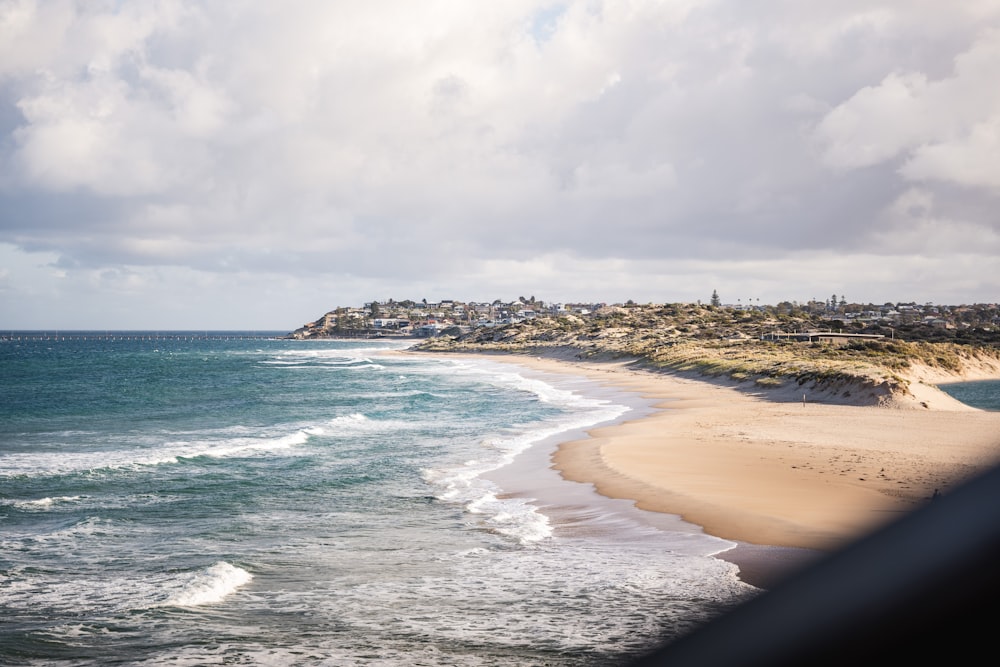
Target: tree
x=716, y=301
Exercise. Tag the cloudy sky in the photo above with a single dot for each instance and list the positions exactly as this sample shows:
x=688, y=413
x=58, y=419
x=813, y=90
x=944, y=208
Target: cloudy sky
x=247, y=164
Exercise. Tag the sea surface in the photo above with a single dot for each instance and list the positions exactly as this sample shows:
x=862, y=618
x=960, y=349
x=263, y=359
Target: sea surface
x=982, y=394
x=207, y=498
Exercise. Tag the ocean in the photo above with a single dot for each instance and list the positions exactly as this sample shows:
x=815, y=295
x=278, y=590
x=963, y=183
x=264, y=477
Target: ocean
x=207, y=498
x=982, y=394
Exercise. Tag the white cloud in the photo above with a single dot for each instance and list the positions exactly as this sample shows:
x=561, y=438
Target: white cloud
x=93, y=136
x=367, y=144
x=935, y=125
x=972, y=159
x=877, y=123
x=911, y=225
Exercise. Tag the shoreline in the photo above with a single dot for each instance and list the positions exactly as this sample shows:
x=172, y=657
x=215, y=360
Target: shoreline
x=785, y=480
x=746, y=468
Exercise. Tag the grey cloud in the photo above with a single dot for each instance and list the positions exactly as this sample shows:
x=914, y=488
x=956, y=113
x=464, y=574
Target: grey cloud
x=380, y=142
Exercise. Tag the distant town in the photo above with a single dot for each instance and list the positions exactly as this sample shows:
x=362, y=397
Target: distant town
x=423, y=319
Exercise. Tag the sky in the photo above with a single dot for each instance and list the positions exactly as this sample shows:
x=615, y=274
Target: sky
x=232, y=164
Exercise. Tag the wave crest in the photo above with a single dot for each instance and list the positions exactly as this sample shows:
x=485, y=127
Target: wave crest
x=210, y=585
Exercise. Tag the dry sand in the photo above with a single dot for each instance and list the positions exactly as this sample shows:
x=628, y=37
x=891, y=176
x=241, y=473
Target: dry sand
x=775, y=471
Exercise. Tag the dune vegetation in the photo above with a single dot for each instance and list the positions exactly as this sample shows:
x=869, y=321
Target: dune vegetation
x=727, y=343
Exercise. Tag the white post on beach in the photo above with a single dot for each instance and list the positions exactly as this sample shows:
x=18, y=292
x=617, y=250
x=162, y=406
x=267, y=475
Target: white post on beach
x=803, y=399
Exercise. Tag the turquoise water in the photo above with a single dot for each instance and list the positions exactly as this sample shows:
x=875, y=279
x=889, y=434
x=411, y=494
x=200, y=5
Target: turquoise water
x=984, y=394
x=191, y=500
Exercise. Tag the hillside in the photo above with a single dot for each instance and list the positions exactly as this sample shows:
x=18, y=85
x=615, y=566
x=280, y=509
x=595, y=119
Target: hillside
x=726, y=344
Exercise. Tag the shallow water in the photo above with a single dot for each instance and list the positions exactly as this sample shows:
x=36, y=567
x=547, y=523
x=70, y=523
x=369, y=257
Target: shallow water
x=983, y=394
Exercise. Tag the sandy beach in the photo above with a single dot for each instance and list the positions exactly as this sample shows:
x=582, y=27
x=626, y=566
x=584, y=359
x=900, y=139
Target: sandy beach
x=785, y=473
x=786, y=479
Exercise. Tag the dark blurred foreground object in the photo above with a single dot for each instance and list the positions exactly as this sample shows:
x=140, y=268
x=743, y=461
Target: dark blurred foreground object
x=926, y=588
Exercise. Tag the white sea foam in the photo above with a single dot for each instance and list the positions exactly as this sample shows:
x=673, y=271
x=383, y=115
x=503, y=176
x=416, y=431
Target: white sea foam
x=582, y=410
x=507, y=376
x=42, y=503
x=350, y=361
x=515, y=517
x=355, y=419
x=568, y=596
x=223, y=443
x=24, y=590
x=245, y=446
x=498, y=451
x=345, y=355
x=370, y=366
x=209, y=586
x=84, y=529
x=345, y=358
x=314, y=360
x=357, y=423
